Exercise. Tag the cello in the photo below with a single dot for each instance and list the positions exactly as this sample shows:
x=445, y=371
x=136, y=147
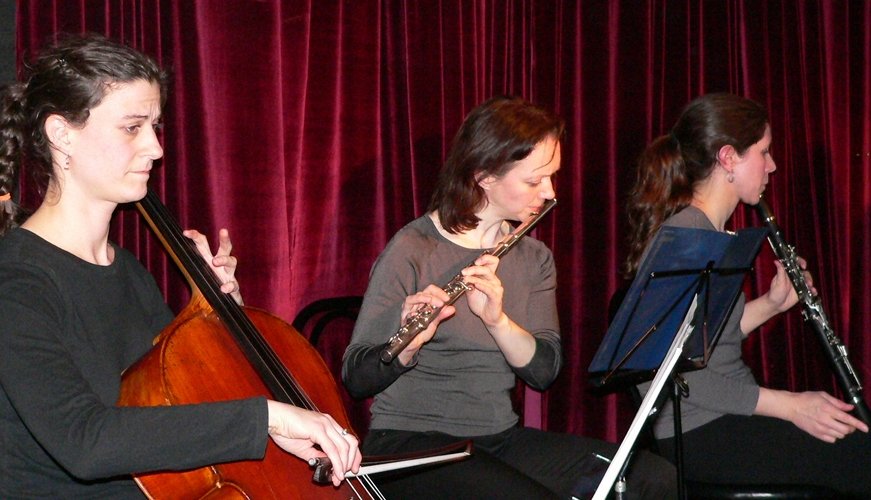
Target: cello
x=217, y=350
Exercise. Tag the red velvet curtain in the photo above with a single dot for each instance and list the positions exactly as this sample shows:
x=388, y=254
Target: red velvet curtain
x=314, y=130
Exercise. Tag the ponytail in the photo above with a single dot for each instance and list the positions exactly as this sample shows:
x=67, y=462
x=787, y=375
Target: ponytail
x=661, y=189
x=674, y=164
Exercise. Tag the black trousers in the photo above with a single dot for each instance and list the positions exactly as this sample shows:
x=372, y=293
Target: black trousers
x=738, y=449
x=519, y=463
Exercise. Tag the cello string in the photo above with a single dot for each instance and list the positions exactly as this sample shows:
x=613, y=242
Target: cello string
x=370, y=486
x=354, y=490
x=283, y=384
x=232, y=314
x=367, y=485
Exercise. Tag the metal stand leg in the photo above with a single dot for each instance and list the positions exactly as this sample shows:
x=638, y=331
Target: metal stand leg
x=679, y=388
x=620, y=484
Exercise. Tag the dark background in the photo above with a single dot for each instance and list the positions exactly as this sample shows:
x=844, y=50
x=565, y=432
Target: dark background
x=7, y=40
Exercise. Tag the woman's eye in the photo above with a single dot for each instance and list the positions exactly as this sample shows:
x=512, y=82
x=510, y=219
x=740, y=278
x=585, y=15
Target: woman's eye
x=157, y=126
x=536, y=182
x=132, y=129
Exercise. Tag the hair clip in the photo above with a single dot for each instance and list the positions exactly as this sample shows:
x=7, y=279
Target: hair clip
x=5, y=197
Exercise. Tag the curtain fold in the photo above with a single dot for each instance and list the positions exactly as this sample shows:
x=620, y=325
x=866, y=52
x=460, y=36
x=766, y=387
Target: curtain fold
x=314, y=130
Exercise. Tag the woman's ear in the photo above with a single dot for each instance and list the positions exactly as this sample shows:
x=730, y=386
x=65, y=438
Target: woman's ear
x=485, y=182
x=59, y=133
x=726, y=157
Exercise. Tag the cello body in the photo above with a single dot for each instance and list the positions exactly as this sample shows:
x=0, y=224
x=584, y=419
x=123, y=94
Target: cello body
x=216, y=350
x=194, y=360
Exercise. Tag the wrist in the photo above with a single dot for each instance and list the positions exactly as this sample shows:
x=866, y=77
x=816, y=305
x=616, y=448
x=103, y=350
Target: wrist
x=408, y=357
x=775, y=403
x=271, y=421
x=501, y=326
x=771, y=307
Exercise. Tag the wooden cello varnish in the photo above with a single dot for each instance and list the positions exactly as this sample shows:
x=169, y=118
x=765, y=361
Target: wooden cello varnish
x=200, y=357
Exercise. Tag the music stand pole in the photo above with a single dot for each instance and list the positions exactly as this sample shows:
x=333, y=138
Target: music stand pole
x=664, y=372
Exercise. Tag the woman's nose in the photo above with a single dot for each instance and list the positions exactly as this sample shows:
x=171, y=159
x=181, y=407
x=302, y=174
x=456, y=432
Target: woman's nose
x=153, y=149
x=548, y=190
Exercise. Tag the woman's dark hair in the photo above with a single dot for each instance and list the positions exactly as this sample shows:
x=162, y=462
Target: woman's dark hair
x=68, y=79
x=672, y=165
x=494, y=135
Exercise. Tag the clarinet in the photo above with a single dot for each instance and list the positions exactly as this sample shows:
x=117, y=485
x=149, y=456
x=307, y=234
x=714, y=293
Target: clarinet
x=418, y=321
x=812, y=311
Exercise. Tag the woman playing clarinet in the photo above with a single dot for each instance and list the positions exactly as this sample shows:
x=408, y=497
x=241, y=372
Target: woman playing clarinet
x=717, y=156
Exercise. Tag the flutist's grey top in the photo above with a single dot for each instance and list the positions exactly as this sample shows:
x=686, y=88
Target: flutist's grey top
x=461, y=382
x=726, y=385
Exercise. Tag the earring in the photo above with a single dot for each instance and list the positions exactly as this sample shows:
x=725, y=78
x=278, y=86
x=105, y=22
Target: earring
x=67, y=163
x=730, y=177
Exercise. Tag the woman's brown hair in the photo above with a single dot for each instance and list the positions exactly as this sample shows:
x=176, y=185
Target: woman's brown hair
x=68, y=79
x=494, y=135
x=673, y=164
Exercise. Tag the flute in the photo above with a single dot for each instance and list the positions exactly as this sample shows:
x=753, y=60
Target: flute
x=815, y=316
x=419, y=320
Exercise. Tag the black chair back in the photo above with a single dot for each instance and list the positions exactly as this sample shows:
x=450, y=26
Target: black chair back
x=328, y=324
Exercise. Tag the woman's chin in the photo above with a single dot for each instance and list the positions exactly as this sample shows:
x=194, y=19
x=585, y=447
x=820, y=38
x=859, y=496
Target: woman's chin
x=134, y=195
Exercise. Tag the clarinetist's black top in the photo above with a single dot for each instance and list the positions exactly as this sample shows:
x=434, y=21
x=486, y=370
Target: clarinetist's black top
x=461, y=382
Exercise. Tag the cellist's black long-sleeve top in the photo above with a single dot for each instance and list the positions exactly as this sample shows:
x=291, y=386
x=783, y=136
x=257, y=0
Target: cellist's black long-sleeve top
x=68, y=329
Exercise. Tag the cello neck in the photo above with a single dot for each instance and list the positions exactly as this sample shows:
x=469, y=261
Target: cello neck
x=183, y=251
x=205, y=283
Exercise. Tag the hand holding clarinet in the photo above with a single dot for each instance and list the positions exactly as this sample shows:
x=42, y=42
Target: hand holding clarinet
x=815, y=316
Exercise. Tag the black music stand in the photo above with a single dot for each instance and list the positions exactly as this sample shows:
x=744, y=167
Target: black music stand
x=671, y=318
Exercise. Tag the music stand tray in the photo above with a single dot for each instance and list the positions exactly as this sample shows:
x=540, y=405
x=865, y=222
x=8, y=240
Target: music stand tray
x=681, y=262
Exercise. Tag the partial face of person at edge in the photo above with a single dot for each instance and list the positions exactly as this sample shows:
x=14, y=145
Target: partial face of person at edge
x=751, y=170
x=112, y=154
x=526, y=186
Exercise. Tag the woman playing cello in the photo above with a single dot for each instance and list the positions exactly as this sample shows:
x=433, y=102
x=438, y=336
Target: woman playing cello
x=77, y=310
